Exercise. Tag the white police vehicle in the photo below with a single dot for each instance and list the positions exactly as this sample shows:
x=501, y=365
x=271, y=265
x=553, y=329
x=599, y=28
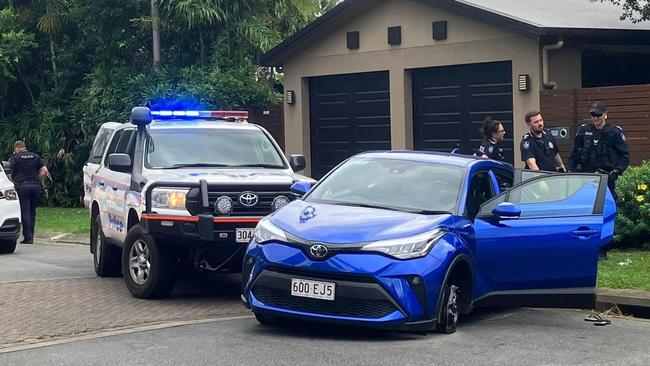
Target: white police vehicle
x=9, y=213
x=178, y=187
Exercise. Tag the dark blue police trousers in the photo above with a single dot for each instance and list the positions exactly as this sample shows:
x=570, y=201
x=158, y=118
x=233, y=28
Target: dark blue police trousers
x=29, y=196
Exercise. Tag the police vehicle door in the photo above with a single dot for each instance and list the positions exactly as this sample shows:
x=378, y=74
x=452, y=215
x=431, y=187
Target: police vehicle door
x=117, y=186
x=548, y=254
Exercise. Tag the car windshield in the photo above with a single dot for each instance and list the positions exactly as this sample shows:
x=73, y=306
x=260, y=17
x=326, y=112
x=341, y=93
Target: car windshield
x=211, y=147
x=418, y=187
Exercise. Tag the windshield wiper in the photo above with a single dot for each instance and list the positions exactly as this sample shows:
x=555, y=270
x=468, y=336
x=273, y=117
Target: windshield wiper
x=401, y=209
x=430, y=212
x=197, y=165
x=261, y=165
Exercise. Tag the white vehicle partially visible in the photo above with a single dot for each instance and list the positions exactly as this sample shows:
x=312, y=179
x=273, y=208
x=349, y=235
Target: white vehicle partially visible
x=9, y=213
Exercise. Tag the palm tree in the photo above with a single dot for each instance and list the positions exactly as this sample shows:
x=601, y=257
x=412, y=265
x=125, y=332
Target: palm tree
x=50, y=24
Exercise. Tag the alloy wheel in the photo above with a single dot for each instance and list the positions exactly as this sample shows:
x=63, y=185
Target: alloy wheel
x=139, y=262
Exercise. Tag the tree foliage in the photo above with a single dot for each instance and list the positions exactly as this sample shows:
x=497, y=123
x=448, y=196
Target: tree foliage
x=67, y=66
x=634, y=10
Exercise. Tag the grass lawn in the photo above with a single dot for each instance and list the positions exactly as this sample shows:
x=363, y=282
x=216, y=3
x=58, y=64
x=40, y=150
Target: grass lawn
x=63, y=220
x=614, y=273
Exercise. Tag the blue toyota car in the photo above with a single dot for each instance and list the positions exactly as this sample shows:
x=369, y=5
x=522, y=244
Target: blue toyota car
x=409, y=240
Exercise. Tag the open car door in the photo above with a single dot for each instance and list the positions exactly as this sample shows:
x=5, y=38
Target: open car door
x=537, y=244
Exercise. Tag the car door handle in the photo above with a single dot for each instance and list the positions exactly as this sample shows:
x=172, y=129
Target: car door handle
x=114, y=188
x=584, y=233
x=101, y=183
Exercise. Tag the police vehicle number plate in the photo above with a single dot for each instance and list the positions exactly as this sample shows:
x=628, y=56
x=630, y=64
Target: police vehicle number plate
x=244, y=235
x=313, y=289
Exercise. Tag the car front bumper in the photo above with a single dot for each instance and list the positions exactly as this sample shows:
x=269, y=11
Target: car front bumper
x=10, y=229
x=371, y=289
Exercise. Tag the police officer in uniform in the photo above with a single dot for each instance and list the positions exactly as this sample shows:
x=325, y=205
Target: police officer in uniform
x=600, y=147
x=538, y=147
x=493, y=134
x=26, y=167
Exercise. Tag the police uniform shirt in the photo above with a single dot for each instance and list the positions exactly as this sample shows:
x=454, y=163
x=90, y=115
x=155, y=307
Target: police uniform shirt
x=542, y=149
x=24, y=167
x=599, y=149
x=491, y=149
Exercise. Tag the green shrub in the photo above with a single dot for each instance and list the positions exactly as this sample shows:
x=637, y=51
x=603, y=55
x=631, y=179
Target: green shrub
x=633, y=220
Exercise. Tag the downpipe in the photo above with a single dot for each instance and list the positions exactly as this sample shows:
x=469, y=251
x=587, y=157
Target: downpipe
x=549, y=47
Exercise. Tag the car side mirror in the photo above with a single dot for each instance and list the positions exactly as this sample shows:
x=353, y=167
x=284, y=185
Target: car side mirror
x=6, y=166
x=506, y=211
x=297, y=162
x=120, y=162
x=300, y=188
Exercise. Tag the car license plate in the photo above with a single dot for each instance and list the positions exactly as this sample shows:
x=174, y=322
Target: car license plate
x=313, y=289
x=244, y=235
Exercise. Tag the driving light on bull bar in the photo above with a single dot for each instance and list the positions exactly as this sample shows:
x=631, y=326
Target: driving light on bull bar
x=406, y=248
x=223, y=206
x=169, y=198
x=279, y=202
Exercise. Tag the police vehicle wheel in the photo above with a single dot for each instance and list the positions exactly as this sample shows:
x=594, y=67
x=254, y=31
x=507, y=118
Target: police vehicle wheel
x=7, y=247
x=106, y=256
x=149, y=268
x=267, y=320
x=449, y=309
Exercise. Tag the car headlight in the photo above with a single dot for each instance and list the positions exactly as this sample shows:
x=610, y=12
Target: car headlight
x=265, y=232
x=406, y=248
x=168, y=198
x=10, y=194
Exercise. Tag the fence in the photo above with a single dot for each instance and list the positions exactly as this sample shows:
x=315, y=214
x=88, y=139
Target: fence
x=627, y=106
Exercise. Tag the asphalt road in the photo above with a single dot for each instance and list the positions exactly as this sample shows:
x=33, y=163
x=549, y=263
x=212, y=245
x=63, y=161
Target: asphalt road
x=514, y=337
x=54, y=311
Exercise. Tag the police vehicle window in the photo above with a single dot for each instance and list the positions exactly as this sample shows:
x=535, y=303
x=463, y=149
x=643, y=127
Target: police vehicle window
x=127, y=143
x=392, y=184
x=176, y=148
x=113, y=145
x=101, y=140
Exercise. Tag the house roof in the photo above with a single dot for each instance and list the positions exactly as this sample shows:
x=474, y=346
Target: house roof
x=537, y=18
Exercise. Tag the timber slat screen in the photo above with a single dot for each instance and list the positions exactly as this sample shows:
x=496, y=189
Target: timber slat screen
x=627, y=106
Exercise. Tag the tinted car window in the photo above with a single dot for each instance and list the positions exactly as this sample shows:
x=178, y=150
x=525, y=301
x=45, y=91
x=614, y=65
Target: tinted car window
x=101, y=140
x=113, y=146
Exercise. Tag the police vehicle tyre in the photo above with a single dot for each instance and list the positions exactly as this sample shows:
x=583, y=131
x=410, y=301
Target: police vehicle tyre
x=106, y=257
x=149, y=268
x=7, y=247
x=267, y=320
x=449, y=309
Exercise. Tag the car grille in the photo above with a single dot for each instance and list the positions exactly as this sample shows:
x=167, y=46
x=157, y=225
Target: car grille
x=353, y=299
x=264, y=207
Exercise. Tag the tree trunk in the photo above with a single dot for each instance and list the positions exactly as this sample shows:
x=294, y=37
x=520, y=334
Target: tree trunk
x=53, y=57
x=202, y=49
x=155, y=24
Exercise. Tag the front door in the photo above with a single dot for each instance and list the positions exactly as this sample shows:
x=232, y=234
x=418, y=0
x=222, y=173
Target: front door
x=548, y=256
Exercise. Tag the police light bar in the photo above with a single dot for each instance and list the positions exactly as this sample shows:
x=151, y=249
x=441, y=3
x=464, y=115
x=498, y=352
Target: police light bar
x=200, y=114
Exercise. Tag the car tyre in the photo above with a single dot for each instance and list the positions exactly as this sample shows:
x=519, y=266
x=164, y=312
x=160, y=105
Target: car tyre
x=7, y=247
x=149, y=268
x=106, y=256
x=267, y=320
x=449, y=309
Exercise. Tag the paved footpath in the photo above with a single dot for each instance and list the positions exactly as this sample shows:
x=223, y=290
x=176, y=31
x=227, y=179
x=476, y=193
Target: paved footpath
x=50, y=292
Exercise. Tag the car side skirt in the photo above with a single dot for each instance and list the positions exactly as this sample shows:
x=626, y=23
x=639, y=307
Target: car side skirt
x=570, y=298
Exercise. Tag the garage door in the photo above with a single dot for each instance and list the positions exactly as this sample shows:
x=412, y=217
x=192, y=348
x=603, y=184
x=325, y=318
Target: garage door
x=450, y=103
x=349, y=114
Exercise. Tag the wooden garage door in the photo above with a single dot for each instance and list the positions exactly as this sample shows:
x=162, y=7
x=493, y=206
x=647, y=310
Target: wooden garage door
x=349, y=114
x=450, y=103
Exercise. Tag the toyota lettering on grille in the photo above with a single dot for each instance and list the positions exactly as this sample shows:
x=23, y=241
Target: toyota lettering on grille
x=249, y=199
x=318, y=251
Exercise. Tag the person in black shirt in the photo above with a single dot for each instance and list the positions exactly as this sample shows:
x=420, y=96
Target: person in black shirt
x=26, y=167
x=600, y=147
x=493, y=134
x=538, y=147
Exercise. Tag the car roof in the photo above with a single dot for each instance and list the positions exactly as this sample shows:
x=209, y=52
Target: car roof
x=196, y=123
x=457, y=160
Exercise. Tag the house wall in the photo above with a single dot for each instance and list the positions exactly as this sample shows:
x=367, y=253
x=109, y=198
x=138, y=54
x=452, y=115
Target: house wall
x=468, y=41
